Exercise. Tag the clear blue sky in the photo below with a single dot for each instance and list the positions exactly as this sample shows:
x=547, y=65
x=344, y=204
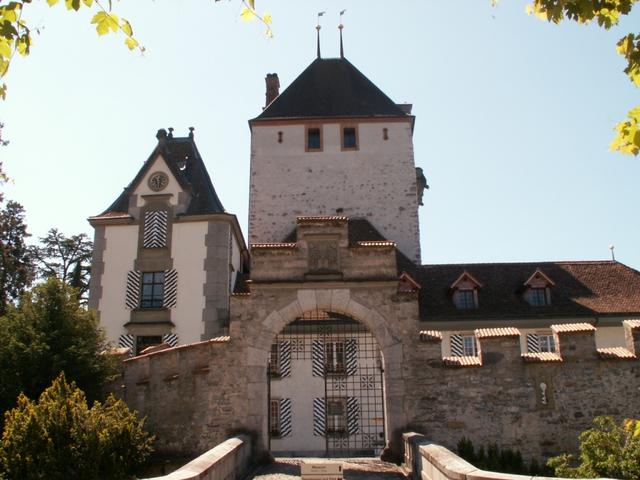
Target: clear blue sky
x=514, y=116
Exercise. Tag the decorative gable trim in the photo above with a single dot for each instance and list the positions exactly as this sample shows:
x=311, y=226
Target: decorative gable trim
x=534, y=280
x=465, y=277
x=407, y=284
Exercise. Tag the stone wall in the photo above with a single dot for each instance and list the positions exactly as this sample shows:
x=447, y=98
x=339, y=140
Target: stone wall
x=195, y=396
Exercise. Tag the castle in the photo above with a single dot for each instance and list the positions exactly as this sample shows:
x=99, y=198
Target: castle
x=326, y=335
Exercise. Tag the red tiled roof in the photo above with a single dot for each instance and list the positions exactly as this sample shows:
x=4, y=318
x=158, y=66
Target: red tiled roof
x=633, y=324
x=581, y=289
x=322, y=218
x=462, y=361
x=384, y=243
x=497, y=332
x=573, y=328
x=430, y=336
x=272, y=246
x=618, y=353
x=542, y=357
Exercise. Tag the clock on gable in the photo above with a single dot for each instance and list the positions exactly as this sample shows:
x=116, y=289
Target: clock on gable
x=158, y=181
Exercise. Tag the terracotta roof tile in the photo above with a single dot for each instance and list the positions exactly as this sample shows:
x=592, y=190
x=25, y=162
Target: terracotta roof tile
x=322, y=218
x=542, y=357
x=462, y=361
x=272, y=246
x=497, y=332
x=573, y=328
x=582, y=289
x=384, y=243
x=619, y=353
x=633, y=324
x=430, y=336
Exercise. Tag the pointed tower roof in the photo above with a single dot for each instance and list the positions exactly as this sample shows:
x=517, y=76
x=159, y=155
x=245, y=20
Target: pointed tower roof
x=331, y=87
x=186, y=165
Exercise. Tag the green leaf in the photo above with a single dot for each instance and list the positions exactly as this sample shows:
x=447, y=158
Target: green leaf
x=105, y=22
x=52, y=2
x=247, y=15
x=72, y=4
x=266, y=18
x=5, y=48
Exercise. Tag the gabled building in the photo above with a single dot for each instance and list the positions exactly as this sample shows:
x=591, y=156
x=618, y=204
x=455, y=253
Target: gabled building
x=166, y=253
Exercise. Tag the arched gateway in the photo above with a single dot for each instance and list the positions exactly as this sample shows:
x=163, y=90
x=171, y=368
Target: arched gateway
x=325, y=388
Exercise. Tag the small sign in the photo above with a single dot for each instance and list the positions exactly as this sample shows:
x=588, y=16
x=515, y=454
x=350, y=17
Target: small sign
x=321, y=471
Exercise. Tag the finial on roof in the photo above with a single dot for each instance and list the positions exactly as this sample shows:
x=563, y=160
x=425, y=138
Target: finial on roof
x=170, y=132
x=318, y=27
x=340, y=27
x=613, y=256
x=161, y=135
x=191, y=129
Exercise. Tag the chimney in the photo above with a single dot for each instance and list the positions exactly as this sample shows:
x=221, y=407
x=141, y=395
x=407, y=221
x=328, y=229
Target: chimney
x=273, y=88
x=405, y=107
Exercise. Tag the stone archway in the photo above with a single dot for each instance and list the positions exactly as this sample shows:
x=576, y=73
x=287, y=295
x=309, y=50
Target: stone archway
x=338, y=301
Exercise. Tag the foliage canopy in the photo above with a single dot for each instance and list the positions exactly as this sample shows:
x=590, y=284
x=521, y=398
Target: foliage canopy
x=60, y=437
x=48, y=333
x=606, y=450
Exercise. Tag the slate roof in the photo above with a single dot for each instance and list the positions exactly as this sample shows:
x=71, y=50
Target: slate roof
x=193, y=178
x=331, y=87
x=581, y=289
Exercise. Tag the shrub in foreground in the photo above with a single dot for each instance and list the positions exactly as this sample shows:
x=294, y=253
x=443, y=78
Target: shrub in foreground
x=606, y=450
x=60, y=437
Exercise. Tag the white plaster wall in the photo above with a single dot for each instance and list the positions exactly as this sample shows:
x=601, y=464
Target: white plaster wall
x=302, y=387
x=188, y=251
x=610, y=337
x=173, y=187
x=378, y=181
x=119, y=255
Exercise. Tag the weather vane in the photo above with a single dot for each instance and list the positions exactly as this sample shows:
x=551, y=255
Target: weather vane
x=318, y=27
x=340, y=27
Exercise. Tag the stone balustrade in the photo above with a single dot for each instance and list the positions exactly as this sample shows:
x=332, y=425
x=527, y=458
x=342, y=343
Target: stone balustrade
x=425, y=460
x=229, y=460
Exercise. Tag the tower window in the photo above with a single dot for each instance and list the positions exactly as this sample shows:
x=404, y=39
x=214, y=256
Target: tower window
x=336, y=416
x=314, y=139
x=334, y=357
x=146, y=341
x=152, y=290
x=349, y=138
x=274, y=413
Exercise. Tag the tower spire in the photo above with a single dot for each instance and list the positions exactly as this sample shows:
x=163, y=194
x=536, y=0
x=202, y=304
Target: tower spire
x=318, y=27
x=340, y=27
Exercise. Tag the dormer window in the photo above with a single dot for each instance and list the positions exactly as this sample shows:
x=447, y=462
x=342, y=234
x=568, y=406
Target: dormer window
x=465, y=292
x=464, y=299
x=537, y=289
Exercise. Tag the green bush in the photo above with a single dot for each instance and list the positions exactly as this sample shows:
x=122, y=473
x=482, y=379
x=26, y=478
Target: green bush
x=48, y=333
x=606, y=450
x=60, y=437
x=497, y=459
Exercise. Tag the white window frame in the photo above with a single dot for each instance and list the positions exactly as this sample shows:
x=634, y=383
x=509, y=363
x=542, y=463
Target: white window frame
x=274, y=418
x=469, y=346
x=547, y=342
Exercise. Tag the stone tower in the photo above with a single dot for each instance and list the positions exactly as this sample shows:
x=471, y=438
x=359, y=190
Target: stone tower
x=333, y=143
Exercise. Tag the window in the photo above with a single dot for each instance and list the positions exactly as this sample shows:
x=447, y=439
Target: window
x=152, y=290
x=469, y=346
x=349, y=138
x=314, y=139
x=334, y=357
x=546, y=342
x=274, y=360
x=143, y=342
x=465, y=299
x=336, y=416
x=274, y=417
x=538, y=297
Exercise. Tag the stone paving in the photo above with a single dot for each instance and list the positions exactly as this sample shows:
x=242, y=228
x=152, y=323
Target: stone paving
x=354, y=469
